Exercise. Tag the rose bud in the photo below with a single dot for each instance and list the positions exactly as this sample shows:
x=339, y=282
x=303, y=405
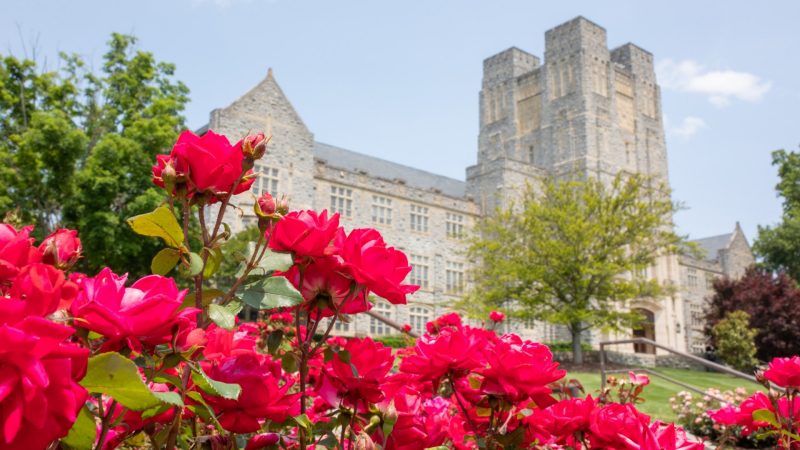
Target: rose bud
x=364, y=442
x=497, y=316
x=254, y=146
x=265, y=205
x=61, y=249
x=406, y=328
x=283, y=206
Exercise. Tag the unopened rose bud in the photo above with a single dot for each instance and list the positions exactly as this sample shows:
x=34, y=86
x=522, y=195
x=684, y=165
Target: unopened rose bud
x=497, y=316
x=364, y=442
x=61, y=249
x=283, y=206
x=265, y=205
x=254, y=146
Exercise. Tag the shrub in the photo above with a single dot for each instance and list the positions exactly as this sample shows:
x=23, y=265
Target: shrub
x=734, y=341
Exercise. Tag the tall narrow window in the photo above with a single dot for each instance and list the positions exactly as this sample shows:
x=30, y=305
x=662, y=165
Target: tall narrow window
x=419, y=218
x=454, y=277
x=267, y=181
x=376, y=327
x=342, y=201
x=381, y=210
x=418, y=317
x=455, y=225
x=419, y=270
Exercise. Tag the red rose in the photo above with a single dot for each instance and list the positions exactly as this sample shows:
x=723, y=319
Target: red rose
x=520, y=369
x=304, y=233
x=261, y=441
x=356, y=381
x=264, y=396
x=406, y=328
x=784, y=372
x=613, y=425
x=16, y=251
x=148, y=312
x=62, y=248
x=564, y=418
x=497, y=316
x=380, y=268
x=208, y=163
x=451, y=351
x=328, y=289
x=39, y=395
x=43, y=288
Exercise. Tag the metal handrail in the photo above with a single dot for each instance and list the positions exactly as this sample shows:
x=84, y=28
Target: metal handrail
x=697, y=359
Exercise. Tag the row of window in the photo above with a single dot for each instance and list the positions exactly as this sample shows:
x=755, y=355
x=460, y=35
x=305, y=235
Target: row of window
x=693, y=280
x=341, y=201
x=418, y=317
x=420, y=271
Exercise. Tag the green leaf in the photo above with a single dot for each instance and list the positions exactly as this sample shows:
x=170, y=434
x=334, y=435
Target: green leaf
x=117, y=376
x=83, y=432
x=274, y=341
x=195, y=264
x=765, y=415
x=159, y=223
x=271, y=293
x=272, y=261
x=303, y=421
x=229, y=391
x=289, y=362
x=164, y=261
x=222, y=316
x=213, y=262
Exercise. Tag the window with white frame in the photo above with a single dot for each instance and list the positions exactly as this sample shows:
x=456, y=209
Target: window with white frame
x=418, y=317
x=376, y=327
x=420, y=267
x=381, y=210
x=691, y=277
x=455, y=225
x=342, y=200
x=454, y=277
x=267, y=180
x=341, y=326
x=419, y=218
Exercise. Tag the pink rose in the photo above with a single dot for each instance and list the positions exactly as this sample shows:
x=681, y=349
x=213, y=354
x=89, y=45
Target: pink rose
x=148, y=312
x=640, y=379
x=357, y=382
x=328, y=289
x=62, y=248
x=304, y=233
x=39, y=395
x=253, y=146
x=265, y=205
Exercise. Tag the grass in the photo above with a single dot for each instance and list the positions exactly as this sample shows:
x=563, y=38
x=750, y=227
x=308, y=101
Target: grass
x=658, y=392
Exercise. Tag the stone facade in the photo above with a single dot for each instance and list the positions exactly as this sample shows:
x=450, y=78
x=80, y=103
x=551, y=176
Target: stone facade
x=585, y=111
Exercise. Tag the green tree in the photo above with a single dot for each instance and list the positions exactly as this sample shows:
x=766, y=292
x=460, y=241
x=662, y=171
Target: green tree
x=779, y=245
x=76, y=147
x=572, y=254
x=735, y=341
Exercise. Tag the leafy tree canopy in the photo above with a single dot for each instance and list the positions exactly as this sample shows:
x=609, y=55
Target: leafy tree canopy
x=76, y=147
x=573, y=253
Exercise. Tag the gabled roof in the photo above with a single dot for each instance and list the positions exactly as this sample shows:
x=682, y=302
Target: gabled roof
x=352, y=161
x=712, y=245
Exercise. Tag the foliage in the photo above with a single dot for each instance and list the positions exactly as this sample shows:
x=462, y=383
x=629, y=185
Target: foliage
x=562, y=254
x=566, y=346
x=773, y=303
x=396, y=340
x=779, y=245
x=734, y=340
x=76, y=147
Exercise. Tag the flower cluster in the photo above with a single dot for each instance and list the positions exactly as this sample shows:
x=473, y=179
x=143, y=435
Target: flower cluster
x=146, y=363
x=40, y=363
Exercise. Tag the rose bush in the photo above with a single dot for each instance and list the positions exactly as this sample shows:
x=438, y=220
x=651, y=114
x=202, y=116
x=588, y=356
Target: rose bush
x=91, y=361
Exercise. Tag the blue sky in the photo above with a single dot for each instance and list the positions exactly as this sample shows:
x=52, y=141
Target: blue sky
x=400, y=79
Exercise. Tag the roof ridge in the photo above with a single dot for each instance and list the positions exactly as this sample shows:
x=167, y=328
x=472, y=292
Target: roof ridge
x=390, y=162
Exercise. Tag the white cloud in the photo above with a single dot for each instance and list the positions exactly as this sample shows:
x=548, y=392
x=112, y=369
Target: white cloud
x=688, y=127
x=719, y=85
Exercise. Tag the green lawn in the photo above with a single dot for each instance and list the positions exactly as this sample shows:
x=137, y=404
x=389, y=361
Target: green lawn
x=658, y=392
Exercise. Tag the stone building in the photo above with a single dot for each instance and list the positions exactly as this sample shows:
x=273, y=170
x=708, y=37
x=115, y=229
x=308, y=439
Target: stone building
x=585, y=111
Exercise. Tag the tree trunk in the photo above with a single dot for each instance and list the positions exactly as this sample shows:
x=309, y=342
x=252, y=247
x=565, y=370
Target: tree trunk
x=577, y=350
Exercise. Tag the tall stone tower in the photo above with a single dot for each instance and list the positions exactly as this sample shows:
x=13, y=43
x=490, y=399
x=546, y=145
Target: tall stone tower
x=586, y=111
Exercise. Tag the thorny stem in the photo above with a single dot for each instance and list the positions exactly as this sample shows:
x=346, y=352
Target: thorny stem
x=172, y=439
x=461, y=404
x=104, y=416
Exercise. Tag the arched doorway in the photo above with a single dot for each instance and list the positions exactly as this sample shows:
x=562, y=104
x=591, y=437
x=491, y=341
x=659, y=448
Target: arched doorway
x=646, y=329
